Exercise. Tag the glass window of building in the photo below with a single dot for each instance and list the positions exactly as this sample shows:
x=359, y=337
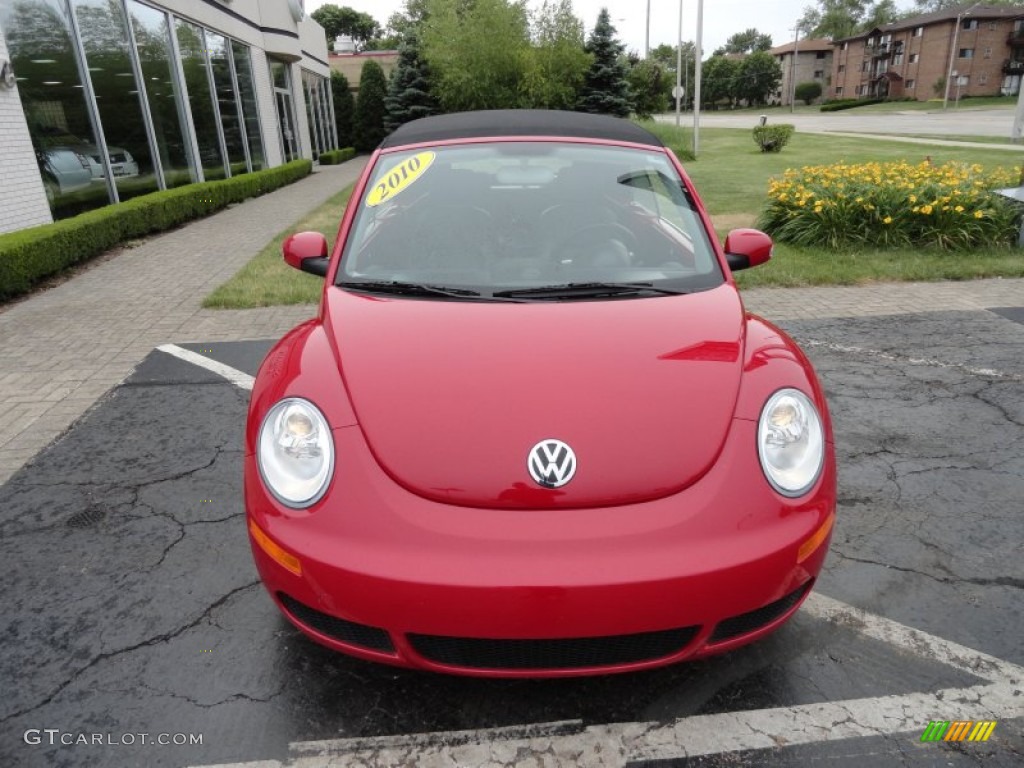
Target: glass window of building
x=285, y=113
x=227, y=101
x=314, y=134
x=40, y=43
x=247, y=97
x=328, y=103
x=316, y=91
x=192, y=49
x=104, y=32
x=153, y=42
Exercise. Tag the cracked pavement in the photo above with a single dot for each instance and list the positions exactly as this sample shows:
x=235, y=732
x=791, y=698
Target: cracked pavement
x=132, y=605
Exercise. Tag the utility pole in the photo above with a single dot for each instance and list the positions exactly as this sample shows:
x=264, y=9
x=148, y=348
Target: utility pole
x=697, y=55
x=1017, y=130
x=792, y=70
x=647, y=33
x=952, y=55
x=679, y=65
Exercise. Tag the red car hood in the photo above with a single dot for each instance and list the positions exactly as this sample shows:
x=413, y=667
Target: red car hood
x=452, y=395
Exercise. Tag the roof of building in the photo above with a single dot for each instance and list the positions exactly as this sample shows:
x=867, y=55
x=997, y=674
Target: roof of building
x=519, y=122
x=810, y=45
x=972, y=10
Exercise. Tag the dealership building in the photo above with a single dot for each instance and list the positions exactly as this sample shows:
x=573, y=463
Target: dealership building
x=103, y=100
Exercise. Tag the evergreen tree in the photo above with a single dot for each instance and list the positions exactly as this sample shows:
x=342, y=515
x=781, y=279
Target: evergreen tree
x=369, y=113
x=344, y=107
x=605, y=88
x=409, y=94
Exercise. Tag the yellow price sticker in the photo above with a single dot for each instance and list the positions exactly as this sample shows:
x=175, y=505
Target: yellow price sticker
x=399, y=178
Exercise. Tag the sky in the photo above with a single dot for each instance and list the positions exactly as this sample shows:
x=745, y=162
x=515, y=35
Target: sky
x=722, y=18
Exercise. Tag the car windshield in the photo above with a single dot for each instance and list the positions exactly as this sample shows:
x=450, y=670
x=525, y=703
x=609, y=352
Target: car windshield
x=534, y=220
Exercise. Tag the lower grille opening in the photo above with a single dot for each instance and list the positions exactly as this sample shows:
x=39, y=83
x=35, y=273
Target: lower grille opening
x=338, y=629
x=560, y=653
x=754, y=620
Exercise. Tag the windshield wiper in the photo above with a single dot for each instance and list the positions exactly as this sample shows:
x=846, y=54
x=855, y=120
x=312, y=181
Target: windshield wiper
x=398, y=288
x=408, y=289
x=586, y=291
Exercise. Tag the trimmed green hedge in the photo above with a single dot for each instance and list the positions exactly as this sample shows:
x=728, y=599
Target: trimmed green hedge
x=337, y=156
x=838, y=104
x=29, y=255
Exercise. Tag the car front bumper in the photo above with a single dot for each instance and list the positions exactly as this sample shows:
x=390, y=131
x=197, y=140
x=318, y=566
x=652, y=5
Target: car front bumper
x=389, y=576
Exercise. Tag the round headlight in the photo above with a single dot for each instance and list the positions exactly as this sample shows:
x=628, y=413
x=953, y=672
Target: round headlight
x=295, y=452
x=790, y=442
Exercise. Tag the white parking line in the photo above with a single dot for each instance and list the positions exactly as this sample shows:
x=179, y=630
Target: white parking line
x=570, y=743
x=235, y=376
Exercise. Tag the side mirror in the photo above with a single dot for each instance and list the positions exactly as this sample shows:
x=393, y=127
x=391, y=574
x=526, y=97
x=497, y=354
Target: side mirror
x=307, y=251
x=746, y=248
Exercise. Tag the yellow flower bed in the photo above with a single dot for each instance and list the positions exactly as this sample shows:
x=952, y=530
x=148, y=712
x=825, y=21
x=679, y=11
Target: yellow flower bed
x=892, y=205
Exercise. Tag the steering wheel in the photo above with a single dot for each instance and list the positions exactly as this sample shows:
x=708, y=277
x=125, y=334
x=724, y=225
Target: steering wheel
x=607, y=244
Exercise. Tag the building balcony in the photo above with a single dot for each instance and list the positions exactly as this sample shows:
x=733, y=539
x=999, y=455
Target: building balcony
x=1012, y=67
x=880, y=50
x=1016, y=39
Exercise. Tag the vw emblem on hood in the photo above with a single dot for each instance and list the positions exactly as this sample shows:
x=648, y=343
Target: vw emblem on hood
x=552, y=463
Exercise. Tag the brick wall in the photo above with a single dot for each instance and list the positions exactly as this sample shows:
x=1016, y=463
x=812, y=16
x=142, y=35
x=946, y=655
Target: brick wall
x=22, y=197
x=923, y=60
x=807, y=65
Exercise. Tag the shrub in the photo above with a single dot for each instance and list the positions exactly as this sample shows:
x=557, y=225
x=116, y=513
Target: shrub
x=891, y=205
x=808, y=92
x=772, y=138
x=29, y=255
x=337, y=156
x=838, y=104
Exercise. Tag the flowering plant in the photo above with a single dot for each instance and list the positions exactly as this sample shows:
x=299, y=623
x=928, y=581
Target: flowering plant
x=891, y=205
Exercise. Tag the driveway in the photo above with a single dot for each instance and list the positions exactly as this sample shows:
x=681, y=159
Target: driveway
x=136, y=632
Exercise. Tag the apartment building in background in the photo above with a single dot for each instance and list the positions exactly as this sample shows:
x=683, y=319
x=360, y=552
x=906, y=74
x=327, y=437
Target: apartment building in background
x=981, y=46
x=803, y=61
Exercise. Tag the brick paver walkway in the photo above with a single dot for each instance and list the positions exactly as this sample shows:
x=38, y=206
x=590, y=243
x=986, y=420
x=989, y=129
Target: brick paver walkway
x=62, y=350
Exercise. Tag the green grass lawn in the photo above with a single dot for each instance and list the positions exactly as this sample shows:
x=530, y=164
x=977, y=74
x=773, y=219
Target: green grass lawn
x=931, y=136
x=732, y=173
x=778, y=112
x=732, y=176
x=267, y=281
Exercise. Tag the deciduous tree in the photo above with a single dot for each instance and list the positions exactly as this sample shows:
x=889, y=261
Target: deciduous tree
x=748, y=41
x=477, y=52
x=758, y=78
x=719, y=80
x=649, y=82
x=557, y=64
x=342, y=20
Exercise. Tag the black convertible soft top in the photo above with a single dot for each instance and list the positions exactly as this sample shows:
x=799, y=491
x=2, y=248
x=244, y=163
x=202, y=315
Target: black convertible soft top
x=519, y=122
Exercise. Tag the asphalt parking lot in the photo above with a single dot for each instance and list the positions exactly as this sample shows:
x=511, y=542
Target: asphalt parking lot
x=132, y=606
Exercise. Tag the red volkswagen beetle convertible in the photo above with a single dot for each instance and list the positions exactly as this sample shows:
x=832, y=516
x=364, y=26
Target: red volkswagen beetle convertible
x=532, y=431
